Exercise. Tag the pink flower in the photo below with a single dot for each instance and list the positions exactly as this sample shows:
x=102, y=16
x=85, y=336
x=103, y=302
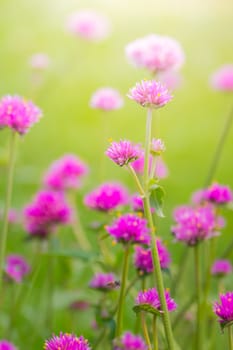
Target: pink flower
x=129, y=228
x=155, y=53
x=221, y=267
x=106, y=99
x=218, y=194
x=6, y=345
x=151, y=297
x=157, y=146
x=171, y=79
x=16, y=267
x=198, y=197
x=129, y=341
x=65, y=173
x=107, y=197
x=103, y=281
x=122, y=152
x=18, y=114
x=161, y=170
x=222, y=79
x=13, y=216
x=66, y=341
x=39, y=61
x=224, y=309
x=150, y=93
x=89, y=25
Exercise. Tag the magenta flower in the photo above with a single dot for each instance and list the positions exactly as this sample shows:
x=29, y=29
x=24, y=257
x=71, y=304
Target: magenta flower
x=150, y=93
x=106, y=197
x=221, y=268
x=89, y=25
x=198, y=197
x=65, y=173
x=157, y=146
x=151, y=297
x=129, y=341
x=143, y=258
x=161, y=170
x=137, y=203
x=224, y=309
x=39, y=61
x=156, y=53
x=122, y=152
x=222, y=79
x=66, y=341
x=129, y=228
x=18, y=114
x=6, y=345
x=103, y=281
x=16, y=267
x=106, y=99
x=218, y=194
x=47, y=211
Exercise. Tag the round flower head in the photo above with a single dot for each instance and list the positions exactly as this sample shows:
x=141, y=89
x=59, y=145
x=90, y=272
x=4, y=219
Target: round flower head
x=107, y=197
x=16, y=267
x=151, y=298
x=129, y=228
x=161, y=170
x=198, y=197
x=222, y=79
x=18, y=114
x=89, y=25
x=221, y=268
x=218, y=194
x=129, y=341
x=150, y=93
x=65, y=173
x=224, y=309
x=103, y=281
x=157, y=147
x=106, y=99
x=66, y=341
x=122, y=152
x=6, y=345
x=156, y=53
x=39, y=61
x=47, y=211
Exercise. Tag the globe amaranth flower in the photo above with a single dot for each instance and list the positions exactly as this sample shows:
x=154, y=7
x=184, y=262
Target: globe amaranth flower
x=66, y=341
x=39, y=61
x=195, y=224
x=224, y=308
x=129, y=341
x=89, y=25
x=218, y=194
x=103, y=281
x=106, y=99
x=129, y=228
x=221, y=267
x=6, y=345
x=161, y=170
x=47, y=211
x=222, y=79
x=106, y=197
x=16, y=267
x=155, y=53
x=65, y=173
x=122, y=152
x=150, y=93
x=151, y=297
x=18, y=114
x=157, y=146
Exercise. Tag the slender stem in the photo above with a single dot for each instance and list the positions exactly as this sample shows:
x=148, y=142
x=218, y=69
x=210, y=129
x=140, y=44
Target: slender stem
x=100, y=338
x=122, y=291
x=229, y=249
x=230, y=338
x=154, y=332
x=9, y=185
x=181, y=269
x=153, y=167
x=145, y=331
x=198, y=296
x=138, y=184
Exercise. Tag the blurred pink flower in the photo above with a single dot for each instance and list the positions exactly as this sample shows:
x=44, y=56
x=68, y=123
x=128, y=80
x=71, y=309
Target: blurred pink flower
x=122, y=152
x=161, y=170
x=221, y=267
x=16, y=267
x=171, y=79
x=219, y=194
x=198, y=196
x=157, y=146
x=13, y=216
x=39, y=61
x=222, y=79
x=129, y=341
x=6, y=345
x=106, y=99
x=103, y=281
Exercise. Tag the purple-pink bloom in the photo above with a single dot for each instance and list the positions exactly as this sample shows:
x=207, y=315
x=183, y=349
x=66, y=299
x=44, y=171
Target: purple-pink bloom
x=224, y=309
x=122, y=152
x=151, y=297
x=129, y=228
x=66, y=341
x=89, y=25
x=13, y=216
x=137, y=204
x=47, y=211
x=218, y=194
x=65, y=173
x=106, y=99
x=39, y=61
x=198, y=197
x=157, y=146
x=16, y=267
x=150, y=93
x=106, y=197
x=18, y=114
x=222, y=79
x=6, y=345
x=161, y=170
x=156, y=53
x=221, y=267
x=103, y=281
x=129, y=341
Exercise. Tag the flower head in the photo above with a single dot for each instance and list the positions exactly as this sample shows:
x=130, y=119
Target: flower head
x=107, y=196
x=198, y=197
x=39, y=61
x=129, y=228
x=222, y=79
x=65, y=173
x=129, y=341
x=150, y=93
x=221, y=268
x=106, y=99
x=6, y=345
x=16, y=267
x=66, y=341
x=219, y=194
x=157, y=147
x=18, y=114
x=47, y=211
x=122, y=152
x=151, y=297
x=89, y=25
x=103, y=281
x=224, y=309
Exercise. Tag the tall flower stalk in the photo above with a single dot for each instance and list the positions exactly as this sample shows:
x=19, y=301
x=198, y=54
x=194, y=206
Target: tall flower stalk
x=198, y=340
x=230, y=338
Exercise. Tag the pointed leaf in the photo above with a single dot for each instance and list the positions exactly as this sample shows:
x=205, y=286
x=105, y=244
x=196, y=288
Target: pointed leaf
x=157, y=197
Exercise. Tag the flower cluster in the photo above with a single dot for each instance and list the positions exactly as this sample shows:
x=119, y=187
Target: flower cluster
x=218, y=194
x=129, y=341
x=6, y=345
x=122, y=152
x=106, y=99
x=16, y=267
x=221, y=268
x=222, y=79
x=103, y=281
x=224, y=309
x=151, y=298
x=66, y=341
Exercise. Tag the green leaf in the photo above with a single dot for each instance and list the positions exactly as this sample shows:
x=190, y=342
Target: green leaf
x=75, y=254
x=226, y=324
x=147, y=308
x=157, y=195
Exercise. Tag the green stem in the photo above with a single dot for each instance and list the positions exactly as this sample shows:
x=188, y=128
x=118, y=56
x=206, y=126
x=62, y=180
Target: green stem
x=153, y=167
x=198, y=342
x=227, y=252
x=136, y=179
x=154, y=332
x=181, y=269
x=145, y=331
x=230, y=338
x=122, y=291
x=182, y=310
x=9, y=185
